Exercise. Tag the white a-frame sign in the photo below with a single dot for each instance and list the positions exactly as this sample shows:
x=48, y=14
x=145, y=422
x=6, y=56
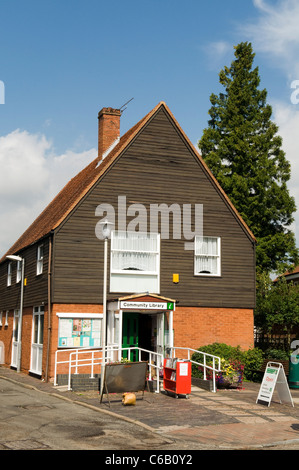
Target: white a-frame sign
x=274, y=376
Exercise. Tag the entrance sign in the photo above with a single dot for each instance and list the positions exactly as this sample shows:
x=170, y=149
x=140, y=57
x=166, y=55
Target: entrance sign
x=147, y=305
x=274, y=376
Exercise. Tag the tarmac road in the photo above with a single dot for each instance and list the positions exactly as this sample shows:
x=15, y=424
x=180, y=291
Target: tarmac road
x=35, y=415
x=32, y=420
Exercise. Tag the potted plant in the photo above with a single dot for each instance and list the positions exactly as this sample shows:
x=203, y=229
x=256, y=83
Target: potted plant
x=231, y=375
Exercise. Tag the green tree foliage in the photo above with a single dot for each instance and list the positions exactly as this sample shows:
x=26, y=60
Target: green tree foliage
x=277, y=306
x=242, y=149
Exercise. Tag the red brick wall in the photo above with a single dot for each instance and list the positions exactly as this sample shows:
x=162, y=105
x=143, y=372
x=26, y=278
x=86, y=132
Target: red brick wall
x=66, y=308
x=193, y=327
x=6, y=337
x=69, y=308
x=199, y=326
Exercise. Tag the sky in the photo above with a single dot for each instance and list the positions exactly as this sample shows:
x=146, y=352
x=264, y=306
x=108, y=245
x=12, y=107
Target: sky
x=62, y=61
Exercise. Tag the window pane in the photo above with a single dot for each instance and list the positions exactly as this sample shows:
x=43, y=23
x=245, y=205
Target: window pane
x=41, y=329
x=16, y=327
x=19, y=271
x=35, y=329
x=206, y=265
x=207, y=255
x=133, y=261
x=39, y=265
x=134, y=241
x=134, y=251
x=9, y=271
x=206, y=246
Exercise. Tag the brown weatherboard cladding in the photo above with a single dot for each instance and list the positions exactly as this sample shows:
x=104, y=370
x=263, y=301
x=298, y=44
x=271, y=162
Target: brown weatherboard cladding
x=157, y=167
x=36, y=290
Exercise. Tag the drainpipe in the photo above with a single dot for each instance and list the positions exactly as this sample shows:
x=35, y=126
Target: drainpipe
x=49, y=307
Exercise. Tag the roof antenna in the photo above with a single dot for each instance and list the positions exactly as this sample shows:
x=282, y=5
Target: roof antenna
x=125, y=106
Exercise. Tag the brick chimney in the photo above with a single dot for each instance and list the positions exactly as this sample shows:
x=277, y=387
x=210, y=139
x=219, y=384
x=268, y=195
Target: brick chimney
x=109, y=129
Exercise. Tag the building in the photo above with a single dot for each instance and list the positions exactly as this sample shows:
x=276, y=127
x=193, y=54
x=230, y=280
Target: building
x=181, y=264
x=292, y=275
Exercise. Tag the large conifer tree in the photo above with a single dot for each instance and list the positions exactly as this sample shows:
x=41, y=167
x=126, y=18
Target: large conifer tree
x=242, y=149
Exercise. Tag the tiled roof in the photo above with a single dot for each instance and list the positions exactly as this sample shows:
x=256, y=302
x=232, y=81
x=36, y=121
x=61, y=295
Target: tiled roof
x=288, y=273
x=67, y=199
x=295, y=271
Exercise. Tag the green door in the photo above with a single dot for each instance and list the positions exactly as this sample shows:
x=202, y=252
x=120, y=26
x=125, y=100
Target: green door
x=130, y=334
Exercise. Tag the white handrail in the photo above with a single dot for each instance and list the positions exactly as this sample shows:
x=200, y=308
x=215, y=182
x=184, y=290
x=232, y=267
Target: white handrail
x=95, y=357
x=213, y=368
x=64, y=362
x=94, y=360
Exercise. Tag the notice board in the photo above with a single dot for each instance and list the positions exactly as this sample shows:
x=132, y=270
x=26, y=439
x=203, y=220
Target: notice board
x=79, y=332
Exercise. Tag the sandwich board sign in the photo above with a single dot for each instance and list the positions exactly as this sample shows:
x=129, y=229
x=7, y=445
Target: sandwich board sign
x=274, y=376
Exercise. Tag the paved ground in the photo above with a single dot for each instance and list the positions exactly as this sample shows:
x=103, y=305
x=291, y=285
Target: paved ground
x=228, y=419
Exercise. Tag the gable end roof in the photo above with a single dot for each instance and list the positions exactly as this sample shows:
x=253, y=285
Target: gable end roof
x=73, y=192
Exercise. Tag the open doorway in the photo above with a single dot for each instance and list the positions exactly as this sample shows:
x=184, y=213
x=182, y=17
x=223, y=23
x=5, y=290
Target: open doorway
x=144, y=331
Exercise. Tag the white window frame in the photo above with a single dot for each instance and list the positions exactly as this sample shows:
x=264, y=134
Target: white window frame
x=6, y=318
x=136, y=271
x=16, y=325
x=37, y=340
x=208, y=255
x=40, y=259
x=9, y=273
x=1, y=318
x=130, y=273
x=37, y=312
x=19, y=272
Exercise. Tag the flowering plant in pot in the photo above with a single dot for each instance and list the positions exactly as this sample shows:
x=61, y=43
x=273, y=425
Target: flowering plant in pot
x=231, y=374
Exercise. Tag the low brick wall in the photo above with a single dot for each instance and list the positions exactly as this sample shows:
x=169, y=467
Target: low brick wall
x=201, y=383
x=80, y=382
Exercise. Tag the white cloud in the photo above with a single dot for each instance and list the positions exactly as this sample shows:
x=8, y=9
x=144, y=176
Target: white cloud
x=275, y=36
x=23, y=165
x=286, y=116
x=31, y=175
x=220, y=48
x=276, y=33
x=217, y=53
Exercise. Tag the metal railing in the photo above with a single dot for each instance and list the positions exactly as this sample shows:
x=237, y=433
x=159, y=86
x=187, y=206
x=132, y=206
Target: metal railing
x=94, y=358
x=214, y=368
x=75, y=360
x=57, y=362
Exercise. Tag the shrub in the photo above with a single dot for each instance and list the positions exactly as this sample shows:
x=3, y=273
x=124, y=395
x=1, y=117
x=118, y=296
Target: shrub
x=278, y=354
x=251, y=359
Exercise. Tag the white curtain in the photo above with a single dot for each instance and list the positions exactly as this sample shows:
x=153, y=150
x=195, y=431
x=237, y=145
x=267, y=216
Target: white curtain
x=206, y=255
x=134, y=251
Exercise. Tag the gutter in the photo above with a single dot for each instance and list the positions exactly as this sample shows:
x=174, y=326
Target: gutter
x=49, y=308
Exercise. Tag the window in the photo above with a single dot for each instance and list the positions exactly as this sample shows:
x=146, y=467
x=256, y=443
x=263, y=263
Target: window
x=36, y=358
x=38, y=325
x=207, y=256
x=19, y=271
x=9, y=273
x=135, y=262
x=15, y=333
x=1, y=316
x=40, y=259
x=6, y=318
